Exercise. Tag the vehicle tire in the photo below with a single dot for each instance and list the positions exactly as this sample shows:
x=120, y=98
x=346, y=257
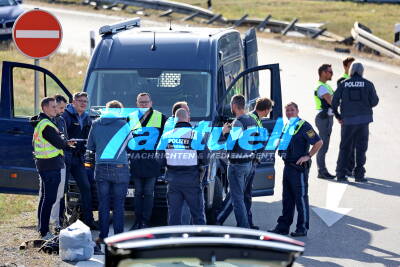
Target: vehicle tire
x=159, y=217
x=211, y=214
x=71, y=215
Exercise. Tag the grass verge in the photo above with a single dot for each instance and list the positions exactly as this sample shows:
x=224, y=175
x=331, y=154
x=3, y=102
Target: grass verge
x=338, y=16
x=13, y=205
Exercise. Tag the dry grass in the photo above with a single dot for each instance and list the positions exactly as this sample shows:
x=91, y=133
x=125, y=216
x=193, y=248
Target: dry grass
x=338, y=16
x=22, y=228
x=69, y=68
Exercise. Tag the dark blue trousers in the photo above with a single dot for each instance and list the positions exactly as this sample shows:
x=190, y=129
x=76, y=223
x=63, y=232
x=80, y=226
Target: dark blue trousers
x=193, y=196
x=49, y=181
x=227, y=206
x=144, y=198
x=294, y=195
x=76, y=169
x=353, y=137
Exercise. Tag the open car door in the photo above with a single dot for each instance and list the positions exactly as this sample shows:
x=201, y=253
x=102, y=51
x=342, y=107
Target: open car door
x=17, y=169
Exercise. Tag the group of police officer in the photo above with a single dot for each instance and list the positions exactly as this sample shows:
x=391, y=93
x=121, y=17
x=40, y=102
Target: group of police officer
x=60, y=145
x=355, y=96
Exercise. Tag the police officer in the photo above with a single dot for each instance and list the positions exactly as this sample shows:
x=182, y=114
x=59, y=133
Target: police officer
x=356, y=97
x=262, y=109
x=49, y=159
x=170, y=125
x=346, y=66
x=144, y=167
x=324, y=120
x=297, y=159
x=57, y=212
x=183, y=172
x=346, y=75
x=78, y=125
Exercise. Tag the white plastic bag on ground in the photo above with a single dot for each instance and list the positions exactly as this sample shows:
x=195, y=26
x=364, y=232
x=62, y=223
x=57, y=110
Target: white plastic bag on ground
x=76, y=242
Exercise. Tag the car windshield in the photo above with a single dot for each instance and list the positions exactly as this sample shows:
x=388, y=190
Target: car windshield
x=7, y=2
x=164, y=86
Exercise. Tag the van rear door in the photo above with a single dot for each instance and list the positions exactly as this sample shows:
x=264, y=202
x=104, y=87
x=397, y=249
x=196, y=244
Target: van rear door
x=17, y=169
x=251, y=60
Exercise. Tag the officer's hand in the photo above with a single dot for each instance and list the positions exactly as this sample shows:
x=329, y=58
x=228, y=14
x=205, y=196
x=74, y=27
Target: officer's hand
x=340, y=121
x=303, y=159
x=227, y=128
x=71, y=144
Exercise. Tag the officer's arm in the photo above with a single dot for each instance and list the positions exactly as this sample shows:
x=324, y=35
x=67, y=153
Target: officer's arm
x=336, y=102
x=373, y=97
x=328, y=98
x=52, y=136
x=91, y=145
x=314, y=149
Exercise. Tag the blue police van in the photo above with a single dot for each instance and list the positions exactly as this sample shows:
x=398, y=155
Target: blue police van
x=203, y=66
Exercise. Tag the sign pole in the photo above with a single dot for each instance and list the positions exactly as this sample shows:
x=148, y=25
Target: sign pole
x=37, y=89
x=37, y=34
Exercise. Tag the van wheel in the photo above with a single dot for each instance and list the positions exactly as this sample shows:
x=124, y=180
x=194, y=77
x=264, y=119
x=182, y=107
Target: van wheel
x=159, y=217
x=211, y=214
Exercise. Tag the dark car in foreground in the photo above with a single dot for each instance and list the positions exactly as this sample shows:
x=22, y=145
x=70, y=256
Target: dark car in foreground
x=201, y=246
x=9, y=12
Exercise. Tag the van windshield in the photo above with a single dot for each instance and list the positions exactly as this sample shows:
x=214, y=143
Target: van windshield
x=164, y=86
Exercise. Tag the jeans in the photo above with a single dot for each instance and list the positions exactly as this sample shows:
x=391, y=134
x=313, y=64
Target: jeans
x=193, y=196
x=237, y=174
x=144, y=198
x=227, y=206
x=49, y=182
x=112, y=185
x=76, y=169
x=324, y=126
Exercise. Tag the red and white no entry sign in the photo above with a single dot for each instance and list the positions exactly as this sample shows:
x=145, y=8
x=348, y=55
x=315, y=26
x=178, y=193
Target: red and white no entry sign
x=37, y=33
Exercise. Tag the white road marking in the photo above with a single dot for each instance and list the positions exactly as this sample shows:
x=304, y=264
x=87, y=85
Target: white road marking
x=37, y=34
x=332, y=213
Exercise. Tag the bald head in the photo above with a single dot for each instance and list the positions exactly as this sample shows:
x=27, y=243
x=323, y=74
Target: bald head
x=182, y=115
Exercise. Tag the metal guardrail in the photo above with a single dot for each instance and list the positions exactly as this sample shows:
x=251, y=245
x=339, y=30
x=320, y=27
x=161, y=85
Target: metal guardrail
x=370, y=1
x=192, y=12
x=361, y=35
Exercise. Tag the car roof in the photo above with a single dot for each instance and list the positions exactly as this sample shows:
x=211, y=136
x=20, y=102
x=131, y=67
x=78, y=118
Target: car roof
x=179, y=48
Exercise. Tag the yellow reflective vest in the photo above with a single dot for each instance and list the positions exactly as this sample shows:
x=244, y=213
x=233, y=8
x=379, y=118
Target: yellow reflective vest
x=154, y=121
x=42, y=148
x=318, y=103
x=255, y=117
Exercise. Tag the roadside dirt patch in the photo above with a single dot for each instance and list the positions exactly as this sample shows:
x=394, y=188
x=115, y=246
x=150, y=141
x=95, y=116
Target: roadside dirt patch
x=13, y=233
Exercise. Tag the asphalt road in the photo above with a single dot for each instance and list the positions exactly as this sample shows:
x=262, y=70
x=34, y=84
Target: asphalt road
x=368, y=234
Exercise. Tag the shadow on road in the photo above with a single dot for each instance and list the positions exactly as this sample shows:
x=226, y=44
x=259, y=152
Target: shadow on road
x=379, y=185
x=349, y=238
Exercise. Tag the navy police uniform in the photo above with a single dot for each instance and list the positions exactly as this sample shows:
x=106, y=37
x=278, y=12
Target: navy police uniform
x=356, y=97
x=183, y=175
x=295, y=179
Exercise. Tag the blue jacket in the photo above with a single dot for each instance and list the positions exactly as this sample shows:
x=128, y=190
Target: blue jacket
x=109, y=146
x=77, y=127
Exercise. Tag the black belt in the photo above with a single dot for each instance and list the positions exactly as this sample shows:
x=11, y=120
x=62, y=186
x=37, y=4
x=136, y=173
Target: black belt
x=114, y=165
